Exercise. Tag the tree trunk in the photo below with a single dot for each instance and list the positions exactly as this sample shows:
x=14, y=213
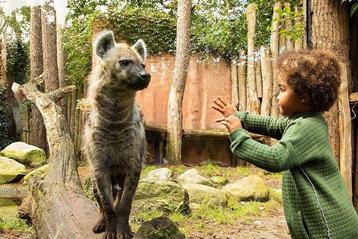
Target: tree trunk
x=59, y=207
x=61, y=64
x=253, y=104
x=177, y=86
x=49, y=47
x=37, y=134
x=330, y=31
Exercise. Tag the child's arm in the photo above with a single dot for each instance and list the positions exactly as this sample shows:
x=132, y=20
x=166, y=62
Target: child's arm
x=289, y=152
x=265, y=125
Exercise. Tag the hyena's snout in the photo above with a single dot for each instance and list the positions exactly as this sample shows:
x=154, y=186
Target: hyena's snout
x=142, y=80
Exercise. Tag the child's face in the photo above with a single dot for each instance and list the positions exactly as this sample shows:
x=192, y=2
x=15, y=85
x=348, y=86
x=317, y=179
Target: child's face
x=288, y=102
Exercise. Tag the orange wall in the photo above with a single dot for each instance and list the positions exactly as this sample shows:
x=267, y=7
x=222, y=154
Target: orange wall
x=205, y=80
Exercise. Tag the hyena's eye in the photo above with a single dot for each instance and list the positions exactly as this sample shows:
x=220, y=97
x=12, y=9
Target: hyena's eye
x=143, y=65
x=125, y=62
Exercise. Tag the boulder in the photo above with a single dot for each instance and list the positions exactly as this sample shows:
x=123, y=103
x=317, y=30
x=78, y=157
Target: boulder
x=251, y=188
x=10, y=170
x=158, y=175
x=8, y=208
x=39, y=172
x=199, y=194
x=159, y=228
x=192, y=176
x=166, y=196
x=218, y=181
x=26, y=154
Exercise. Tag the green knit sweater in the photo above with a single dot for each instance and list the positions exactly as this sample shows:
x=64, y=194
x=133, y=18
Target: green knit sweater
x=316, y=202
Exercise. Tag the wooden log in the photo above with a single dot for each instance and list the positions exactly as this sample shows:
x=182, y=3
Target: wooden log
x=253, y=104
x=258, y=77
x=298, y=21
x=274, y=46
x=234, y=83
x=353, y=97
x=345, y=130
x=59, y=207
x=288, y=27
x=266, y=68
x=282, y=37
x=242, y=81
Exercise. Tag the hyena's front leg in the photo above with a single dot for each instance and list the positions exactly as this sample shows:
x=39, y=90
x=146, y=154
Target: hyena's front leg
x=123, y=207
x=104, y=187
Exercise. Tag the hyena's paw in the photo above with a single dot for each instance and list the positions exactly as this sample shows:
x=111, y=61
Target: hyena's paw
x=123, y=230
x=110, y=235
x=100, y=226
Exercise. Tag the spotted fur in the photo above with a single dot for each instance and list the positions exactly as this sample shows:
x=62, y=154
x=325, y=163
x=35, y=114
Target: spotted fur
x=114, y=138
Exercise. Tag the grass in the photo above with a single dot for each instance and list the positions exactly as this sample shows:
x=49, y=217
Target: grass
x=15, y=225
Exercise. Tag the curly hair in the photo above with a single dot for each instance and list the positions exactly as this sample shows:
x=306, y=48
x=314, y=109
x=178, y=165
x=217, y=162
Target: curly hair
x=312, y=74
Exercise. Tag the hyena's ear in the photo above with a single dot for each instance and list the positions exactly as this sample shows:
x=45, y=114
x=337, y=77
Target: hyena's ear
x=141, y=48
x=104, y=42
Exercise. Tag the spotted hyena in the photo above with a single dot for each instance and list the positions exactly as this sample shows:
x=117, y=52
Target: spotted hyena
x=114, y=140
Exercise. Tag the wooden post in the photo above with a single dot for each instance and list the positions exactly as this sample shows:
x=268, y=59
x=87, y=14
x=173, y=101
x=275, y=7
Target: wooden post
x=234, y=83
x=266, y=68
x=298, y=21
x=258, y=77
x=345, y=130
x=288, y=26
x=242, y=81
x=274, y=52
x=253, y=104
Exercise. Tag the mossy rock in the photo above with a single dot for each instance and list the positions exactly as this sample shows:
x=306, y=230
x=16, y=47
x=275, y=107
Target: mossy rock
x=26, y=154
x=39, y=172
x=10, y=170
x=166, y=196
x=159, y=228
x=251, y=188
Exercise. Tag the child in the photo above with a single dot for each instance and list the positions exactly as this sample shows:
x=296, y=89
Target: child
x=316, y=202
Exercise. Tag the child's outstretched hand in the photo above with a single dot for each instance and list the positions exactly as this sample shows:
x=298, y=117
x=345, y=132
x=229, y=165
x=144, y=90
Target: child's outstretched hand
x=232, y=123
x=223, y=107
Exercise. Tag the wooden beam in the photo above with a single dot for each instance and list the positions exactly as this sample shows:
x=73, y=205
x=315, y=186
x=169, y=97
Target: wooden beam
x=353, y=97
x=345, y=130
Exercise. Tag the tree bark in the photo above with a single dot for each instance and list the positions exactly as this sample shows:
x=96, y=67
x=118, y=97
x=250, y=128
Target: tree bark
x=37, y=134
x=330, y=31
x=253, y=104
x=177, y=86
x=49, y=46
x=59, y=207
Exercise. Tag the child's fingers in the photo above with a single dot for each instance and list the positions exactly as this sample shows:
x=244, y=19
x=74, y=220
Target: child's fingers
x=217, y=109
x=221, y=100
x=218, y=103
x=219, y=120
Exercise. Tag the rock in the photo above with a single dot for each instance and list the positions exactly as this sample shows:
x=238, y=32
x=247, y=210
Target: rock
x=10, y=170
x=200, y=194
x=248, y=189
x=218, y=181
x=166, y=196
x=39, y=172
x=158, y=175
x=159, y=228
x=26, y=154
x=192, y=176
x=8, y=208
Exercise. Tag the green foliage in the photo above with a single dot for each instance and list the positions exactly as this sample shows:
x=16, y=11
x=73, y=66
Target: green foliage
x=5, y=139
x=286, y=14
x=218, y=27
x=18, y=63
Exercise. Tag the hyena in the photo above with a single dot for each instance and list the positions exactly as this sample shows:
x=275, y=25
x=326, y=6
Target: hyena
x=114, y=140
